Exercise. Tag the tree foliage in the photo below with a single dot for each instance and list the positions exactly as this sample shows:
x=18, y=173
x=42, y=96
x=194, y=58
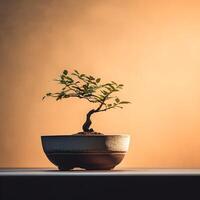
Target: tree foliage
x=90, y=88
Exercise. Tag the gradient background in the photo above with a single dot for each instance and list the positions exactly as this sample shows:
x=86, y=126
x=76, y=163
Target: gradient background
x=151, y=46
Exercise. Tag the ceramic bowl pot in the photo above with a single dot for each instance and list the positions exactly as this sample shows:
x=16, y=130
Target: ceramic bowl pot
x=97, y=152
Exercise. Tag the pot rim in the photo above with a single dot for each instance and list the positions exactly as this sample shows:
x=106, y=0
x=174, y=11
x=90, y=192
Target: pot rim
x=106, y=135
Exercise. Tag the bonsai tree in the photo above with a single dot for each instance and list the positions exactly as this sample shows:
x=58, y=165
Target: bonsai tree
x=82, y=86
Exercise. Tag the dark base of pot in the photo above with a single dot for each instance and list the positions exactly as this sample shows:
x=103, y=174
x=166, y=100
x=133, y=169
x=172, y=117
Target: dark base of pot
x=67, y=168
x=88, y=161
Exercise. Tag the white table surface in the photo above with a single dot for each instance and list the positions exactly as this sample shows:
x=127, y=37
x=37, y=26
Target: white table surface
x=125, y=172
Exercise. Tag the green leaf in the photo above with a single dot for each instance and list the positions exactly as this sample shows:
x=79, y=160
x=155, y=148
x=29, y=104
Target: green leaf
x=66, y=96
x=119, y=107
x=108, y=88
x=104, y=92
x=110, y=85
x=101, y=96
x=65, y=72
x=92, y=82
x=91, y=78
x=58, y=98
x=69, y=79
x=76, y=71
x=62, y=77
x=113, y=82
x=91, y=87
x=117, y=100
x=85, y=87
x=74, y=74
x=98, y=80
x=82, y=75
x=124, y=102
x=62, y=82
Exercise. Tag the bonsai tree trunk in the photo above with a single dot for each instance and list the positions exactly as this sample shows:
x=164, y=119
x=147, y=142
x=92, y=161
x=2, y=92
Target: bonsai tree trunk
x=88, y=122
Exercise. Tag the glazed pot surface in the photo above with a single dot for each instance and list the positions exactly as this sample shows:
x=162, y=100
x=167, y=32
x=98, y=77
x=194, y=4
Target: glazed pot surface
x=88, y=152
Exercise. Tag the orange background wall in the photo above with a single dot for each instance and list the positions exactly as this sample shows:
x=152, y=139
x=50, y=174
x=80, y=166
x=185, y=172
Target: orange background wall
x=152, y=46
